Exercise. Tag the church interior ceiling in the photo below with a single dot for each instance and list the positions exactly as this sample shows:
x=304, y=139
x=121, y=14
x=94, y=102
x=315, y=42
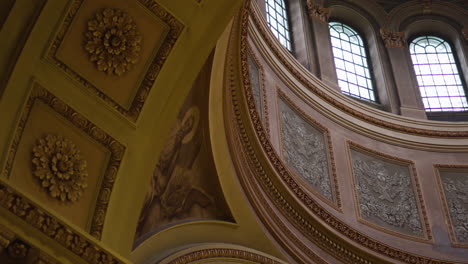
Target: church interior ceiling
x=162, y=131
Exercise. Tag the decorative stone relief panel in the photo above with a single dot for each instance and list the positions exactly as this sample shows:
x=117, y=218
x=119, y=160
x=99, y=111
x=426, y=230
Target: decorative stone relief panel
x=116, y=48
x=61, y=159
x=305, y=150
x=254, y=72
x=454, y=185
x=385, y=192
x=257, y=84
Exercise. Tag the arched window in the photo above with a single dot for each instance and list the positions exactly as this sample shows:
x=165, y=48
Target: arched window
x=437, y=74
x=277, y=18
x=352, y=69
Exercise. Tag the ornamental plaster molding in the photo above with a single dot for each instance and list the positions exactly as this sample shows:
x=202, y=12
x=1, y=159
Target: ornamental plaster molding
x=393, y=39
x=227, y=254
x=113, y=41
x=263, y=91
x=345, y=108
x=60, y=168
x=316, y=11
x=49, y=225
x=116, y=149
x=313, y=227
x=133, y=112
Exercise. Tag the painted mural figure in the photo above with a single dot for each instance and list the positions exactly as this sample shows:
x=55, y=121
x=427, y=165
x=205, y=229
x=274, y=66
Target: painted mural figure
x=174, y=192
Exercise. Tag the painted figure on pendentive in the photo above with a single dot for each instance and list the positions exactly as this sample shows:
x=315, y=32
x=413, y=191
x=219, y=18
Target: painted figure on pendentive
x=175, y=192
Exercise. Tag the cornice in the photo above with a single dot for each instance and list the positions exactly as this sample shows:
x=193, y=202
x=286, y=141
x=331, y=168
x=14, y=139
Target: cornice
x=323, y=92
x=320, y=227
x=50, y=226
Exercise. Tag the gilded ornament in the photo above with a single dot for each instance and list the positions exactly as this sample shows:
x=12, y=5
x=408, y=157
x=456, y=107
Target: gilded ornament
x=60, y=168
x=18, y=250
x=113, y=41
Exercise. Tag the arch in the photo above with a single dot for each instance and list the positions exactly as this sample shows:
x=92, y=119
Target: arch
x=368, y=27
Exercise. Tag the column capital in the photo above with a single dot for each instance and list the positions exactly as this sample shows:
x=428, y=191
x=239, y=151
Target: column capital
x=315, y=11
x=393, y=39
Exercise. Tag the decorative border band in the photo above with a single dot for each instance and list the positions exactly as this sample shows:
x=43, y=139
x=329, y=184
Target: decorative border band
x=55, y=229
x=263, y=93
x=212, y=253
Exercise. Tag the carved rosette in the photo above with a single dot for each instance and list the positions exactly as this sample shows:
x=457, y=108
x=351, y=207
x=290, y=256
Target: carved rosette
x=393, y=39
x=59, y=167
x=112, y=41
x=316, y=11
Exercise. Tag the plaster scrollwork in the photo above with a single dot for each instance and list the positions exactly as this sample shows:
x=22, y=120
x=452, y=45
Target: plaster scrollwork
x=60, y=168
x=393, y=39
x=456, y=193
x=385, y=194
x=316, y=11
x=304, y=149
x=113, y=41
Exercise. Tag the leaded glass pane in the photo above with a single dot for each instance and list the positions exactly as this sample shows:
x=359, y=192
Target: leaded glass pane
x=277, y=20
x=437, y=75
x=351, y=62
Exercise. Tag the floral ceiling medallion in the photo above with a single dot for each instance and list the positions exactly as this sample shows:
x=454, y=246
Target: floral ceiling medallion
x=60, y=168
x=113, y=41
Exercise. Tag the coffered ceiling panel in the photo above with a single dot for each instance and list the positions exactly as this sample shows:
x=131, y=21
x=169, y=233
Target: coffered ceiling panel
x=63, y=161
x=116, y=48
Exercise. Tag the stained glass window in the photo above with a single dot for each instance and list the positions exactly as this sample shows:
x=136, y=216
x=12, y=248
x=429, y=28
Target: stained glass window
x=277, y=19
x=438, y=75
x=352, y=68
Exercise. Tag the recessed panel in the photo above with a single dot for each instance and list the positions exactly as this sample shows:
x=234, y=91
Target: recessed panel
x=63, y=161
x=455, y=193
x=305, y=147
x=386, y=193
x=116, y=48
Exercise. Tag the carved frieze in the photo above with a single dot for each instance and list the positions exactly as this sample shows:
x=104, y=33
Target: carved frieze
x=59, y=167
x=393, y=39
x=315, y=11
x=113, y=41
x=304, y=149
x=454, y=185
x=385, y=193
